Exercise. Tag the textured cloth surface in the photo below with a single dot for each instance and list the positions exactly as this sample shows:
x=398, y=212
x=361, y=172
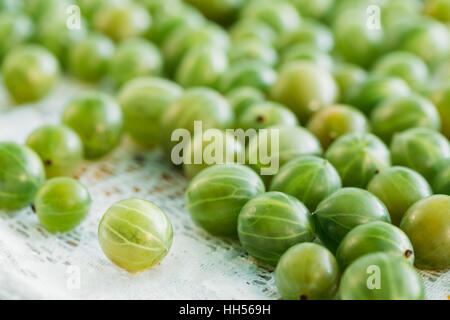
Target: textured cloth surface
x=35, y=264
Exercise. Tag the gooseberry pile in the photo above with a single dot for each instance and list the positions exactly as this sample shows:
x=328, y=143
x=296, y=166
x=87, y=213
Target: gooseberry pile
x=357, y=91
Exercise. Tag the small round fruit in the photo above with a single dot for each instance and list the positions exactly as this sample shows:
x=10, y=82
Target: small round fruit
x=62, y=204
x=29, y=72
x=97, y=119
x=397, y=114
x=441, y=180
x=248, y=30
x=304, y=88
x=15, y=29
x=419, y=149
x=333, y=122
x=381, y=276
x=201, y=66
x=135, y=58
x=221, y=11
x=427, y=224
x=271, y=223
x=144, y=101
x=348, y=76
x=21, y=175
x=399, y=188
x=441, y=99
x=343, y=210
x=404, y=65
x=266, y=114
x=272, y=148
x=307, y=271
x=358, y=157
x=281, y=16
x=308, y=178
x=202, y=105
x=217, y=194
x=59, y=148
x=241, y=98
x=90, y=58
x=317, y=9
x=210, y=148
x=135, y=234
x=369, y=93
x=306, y=52
x=122, y=19
x=246, y=73
x=376, y=236
x=253, y=50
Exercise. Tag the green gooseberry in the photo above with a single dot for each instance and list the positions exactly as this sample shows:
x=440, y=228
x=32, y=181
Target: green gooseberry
x=183, y=39
x=304, y=88
x=427, y=224
x=419, y=149
x=216, y=147
x=376, y=236
x=306, y=52
x=253, y=49
x=62, y=204
x=308, y=178
x=88, y=8
x=135, y=234
x=427, y=38
x=369, y=93
x=441, y=181
x=90, y=58
x=356, y=42
x=97, y=119
x=59, y=148
x=135, y=58
x=247, y=73
x=343, y=210
x=217, y=194
x=200, y=104
x=281, y=16
x=311, y=33
x=221, y=11
x=397, y=114
x=29, y=72
x=438, y=9
x=399, y=188
x=381, y=276
x=120, y=20
x=269, y=150
x=330, y=123
x=157, y=6
x=347, y=76
x=317, y=9
x=41, y=9
x=21, y=175
x=358, y=157
x=173, y=16
x=15, y=29
x=271, y=223
x=441, y=99
x=201, y=66
x=404, y=65
x=307, y=271
x=243, y=97
x=265, y=114
x=144, y=100
x=244, y=30
x=54, y=34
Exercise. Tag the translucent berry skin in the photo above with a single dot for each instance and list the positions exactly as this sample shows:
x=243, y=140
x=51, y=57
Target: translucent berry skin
x=62, y=204
x=271, y=223
x=372, y=237
x=398, y=280
x=98, y=121
x=427, y=224
x=21, y=175
x=59, y=148
x=217, y=194
x=266, y=114
x=307, y=271
x=135, y=234
x=29, y=72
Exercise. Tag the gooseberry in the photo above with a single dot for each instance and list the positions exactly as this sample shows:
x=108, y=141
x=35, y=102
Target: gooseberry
x=264, y=115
